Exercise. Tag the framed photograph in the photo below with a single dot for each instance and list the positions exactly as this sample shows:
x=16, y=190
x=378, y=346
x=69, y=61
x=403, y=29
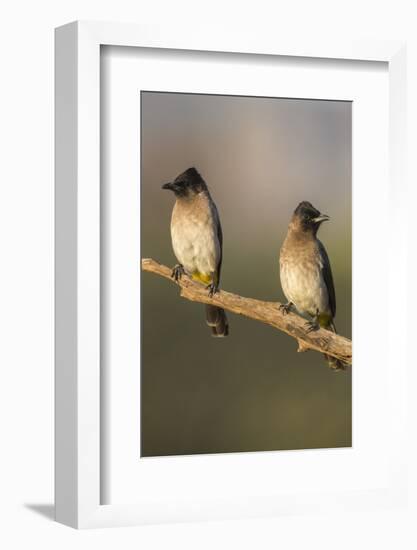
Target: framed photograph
x=221, y=206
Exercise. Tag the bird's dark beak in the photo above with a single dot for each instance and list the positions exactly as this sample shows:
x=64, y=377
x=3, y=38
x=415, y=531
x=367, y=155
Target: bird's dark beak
x=167, y=185
x=321, y=218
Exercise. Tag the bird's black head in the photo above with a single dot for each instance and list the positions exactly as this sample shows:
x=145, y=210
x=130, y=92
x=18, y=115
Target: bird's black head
x=307, y=218
x=187, y=184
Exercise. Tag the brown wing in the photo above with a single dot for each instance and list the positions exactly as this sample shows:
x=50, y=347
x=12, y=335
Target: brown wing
x=219, y=236
x=328, y=277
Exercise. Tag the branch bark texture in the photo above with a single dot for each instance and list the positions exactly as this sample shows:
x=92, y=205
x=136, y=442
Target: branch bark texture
x=320, y=340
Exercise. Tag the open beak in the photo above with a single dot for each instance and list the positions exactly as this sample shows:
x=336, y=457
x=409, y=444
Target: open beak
x=167, y=185
x=321, y=218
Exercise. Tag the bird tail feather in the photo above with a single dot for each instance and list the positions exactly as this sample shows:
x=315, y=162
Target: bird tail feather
x=217, y=320
x=335, y=364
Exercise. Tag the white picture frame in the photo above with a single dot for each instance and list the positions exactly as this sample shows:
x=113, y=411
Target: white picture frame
x=78, y=449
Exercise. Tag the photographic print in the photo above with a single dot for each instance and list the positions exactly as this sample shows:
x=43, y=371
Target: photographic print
x=247, y=201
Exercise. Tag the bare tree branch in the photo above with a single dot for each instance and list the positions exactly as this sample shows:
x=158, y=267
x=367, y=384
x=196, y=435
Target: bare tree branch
x=269, y=313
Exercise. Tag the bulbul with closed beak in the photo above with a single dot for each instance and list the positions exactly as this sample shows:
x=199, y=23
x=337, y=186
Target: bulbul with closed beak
x=306, y=275
x=197, y=240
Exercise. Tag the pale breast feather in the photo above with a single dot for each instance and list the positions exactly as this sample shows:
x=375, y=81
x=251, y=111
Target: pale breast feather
x=302, y=281
x=194, y=236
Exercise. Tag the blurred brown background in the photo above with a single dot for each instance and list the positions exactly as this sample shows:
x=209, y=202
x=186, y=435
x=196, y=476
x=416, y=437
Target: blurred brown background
x=251, y=391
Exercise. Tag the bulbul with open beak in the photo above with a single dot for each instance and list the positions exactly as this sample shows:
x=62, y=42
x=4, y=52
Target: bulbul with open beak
x=305, y=272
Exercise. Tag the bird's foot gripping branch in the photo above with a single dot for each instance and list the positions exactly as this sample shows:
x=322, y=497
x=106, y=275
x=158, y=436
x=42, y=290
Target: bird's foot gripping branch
x=270, y=313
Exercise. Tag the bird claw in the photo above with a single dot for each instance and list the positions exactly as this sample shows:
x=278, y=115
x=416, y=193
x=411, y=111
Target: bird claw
x=212, y=288
x=285, y=308
x=177, y=272
x=311, y=326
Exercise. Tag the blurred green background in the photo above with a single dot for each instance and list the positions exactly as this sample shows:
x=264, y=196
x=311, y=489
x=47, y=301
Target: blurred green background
x=251, y=391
